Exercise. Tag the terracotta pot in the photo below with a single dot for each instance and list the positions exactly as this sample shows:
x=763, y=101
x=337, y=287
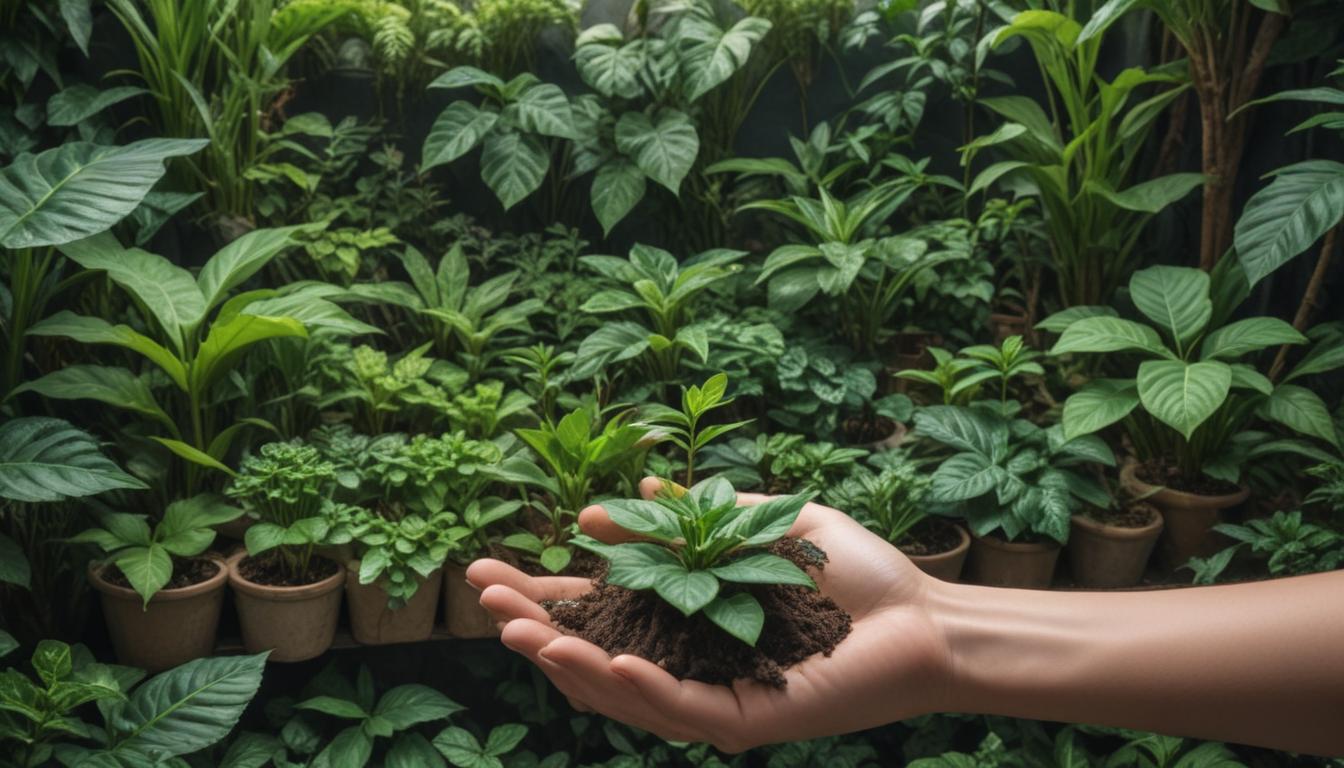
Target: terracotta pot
x=178, y=625
x=1102, y=555
x=373, y=623
x=1189, y=517
x=236, y=528
x=1004, y=324
x=1022, y=564
x=462, y=606
x=945, y=565
x=293, y=623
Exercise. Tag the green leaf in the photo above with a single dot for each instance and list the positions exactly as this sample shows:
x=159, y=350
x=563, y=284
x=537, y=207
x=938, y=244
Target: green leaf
x=190, y=707
x=618, y=186
x=79, y=102
x=986, y=178
x=463, y=77
x=224, y=346
x=242, y=258
x=664, y=147
x=543, y=109
x=79, y=189
x=513, y=165
x=962, y=429
x=411, y=750
x=334, y=706
x=14, y=569
x=763, y=568
x=555, y=559
x=1098, y=405
x=1246, y=377
x=252, y=750
x=687, y=591
x=1301, y=410
x=93, y=330
x=351, y=748
x=408, y=705
x=7, y=643
x=456, y=130
x=503, y=738
x=1150, y=196
x=1109, y=334
x=1249, y=335
x=165, y=290
x=1057, y=322
x=146, y=568
x=45, y=459
x=193, y=454
x=719, y=53
x=52, y=661
x=611, y=70
x=1287, y=217
x=649, y=518
x=767, y=521
x=1176, y=298
x=462, y=749
x=962, y=477
x=78, y=18
x=739, y=615
x=1104, y=17
x=1183, y=395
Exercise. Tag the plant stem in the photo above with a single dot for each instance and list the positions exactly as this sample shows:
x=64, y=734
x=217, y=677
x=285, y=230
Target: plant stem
x=1308, y=305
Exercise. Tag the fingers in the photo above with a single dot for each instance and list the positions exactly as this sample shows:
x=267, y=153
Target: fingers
x=485, y=573
x=507, y=604
x=712, y=711
x=595, y=522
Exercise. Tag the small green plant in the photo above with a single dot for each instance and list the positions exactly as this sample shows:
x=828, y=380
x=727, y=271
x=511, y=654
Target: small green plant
x=702, y=548
x=428, y=475
x=888, y=502
x=400, y=554
x=286, y=486
x=684, y=427
x=1289, y=546
x=147, y=557
x=382, y=390
x=812, y=467
x=581, y=462
x=173, y=713
x=959, y=378
x=543, y=374
x=1011, y=476
x=748, y=462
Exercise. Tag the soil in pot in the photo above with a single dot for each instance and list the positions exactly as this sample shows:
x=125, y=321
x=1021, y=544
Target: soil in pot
x=875, y=433
x=294, y=618
x=1159, y=473
x=1110, y=548
x=373, y=623
x=938, y=547
x=180, y=623
x=799, y=622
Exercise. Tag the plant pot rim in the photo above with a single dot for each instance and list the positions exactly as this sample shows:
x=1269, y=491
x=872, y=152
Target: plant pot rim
x=352, y=566
x=115, y=592
x=1172, y=497
x=282, y=594
x=1099, y=528
x=1021, y=547
x=963, y=544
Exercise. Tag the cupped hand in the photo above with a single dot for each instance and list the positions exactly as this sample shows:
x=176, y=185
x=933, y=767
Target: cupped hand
x=894, y=664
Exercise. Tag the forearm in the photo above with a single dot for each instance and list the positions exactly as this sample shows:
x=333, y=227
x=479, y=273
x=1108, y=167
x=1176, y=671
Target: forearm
x=1259, y=663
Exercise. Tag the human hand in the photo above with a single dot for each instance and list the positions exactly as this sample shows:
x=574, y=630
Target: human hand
x=893, y=665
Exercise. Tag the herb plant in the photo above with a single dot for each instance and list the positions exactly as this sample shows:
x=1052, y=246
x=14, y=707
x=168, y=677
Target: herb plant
x=286, y=487
x=1011, y=476
x=1289, y=546
x=684, y=428
x=700, y=540
x=889, y=501
x=146, y=556
x=960, y=377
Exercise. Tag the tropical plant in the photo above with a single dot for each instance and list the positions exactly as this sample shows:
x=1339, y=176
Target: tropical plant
x=285, y=487
x=1289, y=546
x=214, y=72
x=698, y=539
x=515, y=127
x=147, y=556
x=1082, y=157
x=197, y=331
x=889, y=501
x=749, y=462
x=1195, y=396
x=174, y=713
x=1011, y=476
x=428, y=475
x=815, y=385
x=663, y=294
x=979, y=363
x=684, y=428
x=584, y=459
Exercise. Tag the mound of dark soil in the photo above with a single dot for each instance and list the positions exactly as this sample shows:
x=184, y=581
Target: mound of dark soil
x=186, y=571
x=799, y=622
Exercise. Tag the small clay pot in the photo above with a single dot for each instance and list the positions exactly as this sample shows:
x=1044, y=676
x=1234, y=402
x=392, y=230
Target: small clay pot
x=293, y=623
x=373, y=623
x=1189, y=517
x=946, y=565
x=1022, y=564
x=462, y=606
x=177, y=626
x=1102, y=555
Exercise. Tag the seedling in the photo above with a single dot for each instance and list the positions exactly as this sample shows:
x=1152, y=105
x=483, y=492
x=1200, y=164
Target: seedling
x=702, y=547
x=684, y=426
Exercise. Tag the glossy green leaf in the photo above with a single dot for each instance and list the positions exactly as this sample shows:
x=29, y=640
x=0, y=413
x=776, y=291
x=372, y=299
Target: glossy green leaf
x=664, y=146
x=1183, y=395
x=1284, y=219
x=46, y=459
x=80, y=102
x=618, y=186
x=1250, y=335
x=513, y=165
x=190, y=707
x=762, y=568
x=455, y=132
x=687, y=591
x=1301, y=410
x=1109, y=334
x=94, y=330
x=408, y=705
x=117, y=387
x=739, y=615
x=1098, y=405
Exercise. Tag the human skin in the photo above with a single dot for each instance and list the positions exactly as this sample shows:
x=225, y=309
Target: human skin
x=1259, y=663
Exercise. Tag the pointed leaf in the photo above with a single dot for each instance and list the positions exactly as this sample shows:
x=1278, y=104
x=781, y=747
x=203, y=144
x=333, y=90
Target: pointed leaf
x=1183, y=395
x=45, y=459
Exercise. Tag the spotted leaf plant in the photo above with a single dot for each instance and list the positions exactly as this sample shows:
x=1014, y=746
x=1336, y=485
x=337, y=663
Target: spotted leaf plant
x=703, y=550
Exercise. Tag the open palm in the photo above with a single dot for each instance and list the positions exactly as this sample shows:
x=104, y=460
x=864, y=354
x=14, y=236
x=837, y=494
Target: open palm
x=891, y=666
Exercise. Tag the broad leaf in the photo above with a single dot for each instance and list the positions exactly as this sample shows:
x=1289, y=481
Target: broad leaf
x=95, y=330
x=963, y=429
x=79, y=189
x=1183, y=395
x=687, y=591
x=14, y=569
x=739, y=615
x=1150, y=196
x=1287, y=217
x=408, y=705
x=233, y=264
x=617, y=187
x=146, y=568
x=1109, y=334
x=646, y=517
x=456, y=130
x=78, y=103
x=513, y=165
x=543, y=109
x=664, y=147
x=1301, y=410
x=188, y=708
x=1249, y=335
x=720, y=53
x=611, y=70
x=1098, y=405
x=227, y=341
x=1176, y=298
x=963, y=477
x=763, y=568
x=45, y=459
x=117, y=387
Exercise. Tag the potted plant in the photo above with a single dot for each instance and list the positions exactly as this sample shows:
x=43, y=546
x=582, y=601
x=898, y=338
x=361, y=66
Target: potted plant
x=288, y=596
x=891, y=503
x=424, y=488
x=1013, y=484
x=462, y=609
x=1185, y=398
x=707, y=575
x=1110, y=546
x=161, y=593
